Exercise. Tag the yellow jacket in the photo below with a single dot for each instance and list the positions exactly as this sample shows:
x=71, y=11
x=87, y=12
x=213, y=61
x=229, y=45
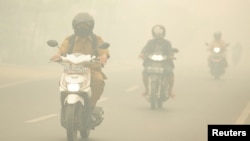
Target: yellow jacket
x=84, y=45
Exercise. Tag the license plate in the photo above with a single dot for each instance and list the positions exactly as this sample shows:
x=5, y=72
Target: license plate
x=154, y=69
x=75, y=69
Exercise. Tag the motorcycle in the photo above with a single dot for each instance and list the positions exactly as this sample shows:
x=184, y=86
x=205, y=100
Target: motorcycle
x=74, y=85
x=217, y=62
x=157, y=82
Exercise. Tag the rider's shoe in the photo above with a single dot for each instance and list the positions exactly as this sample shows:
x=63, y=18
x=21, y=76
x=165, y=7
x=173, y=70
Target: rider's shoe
x=97, y=116
x=172, y=95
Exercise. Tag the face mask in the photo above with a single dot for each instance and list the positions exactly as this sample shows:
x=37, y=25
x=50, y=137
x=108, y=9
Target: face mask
x=158, y=32
x=83, y=32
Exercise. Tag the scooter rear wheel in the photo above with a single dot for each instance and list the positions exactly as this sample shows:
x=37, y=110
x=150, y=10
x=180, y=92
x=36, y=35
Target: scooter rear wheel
x=85, y=133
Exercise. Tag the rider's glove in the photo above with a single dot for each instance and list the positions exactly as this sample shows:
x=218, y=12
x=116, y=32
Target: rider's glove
x=103, y=59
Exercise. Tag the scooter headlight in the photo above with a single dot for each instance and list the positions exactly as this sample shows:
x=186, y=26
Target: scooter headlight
x=73, y=87
x=157, y=57
x=216, y=50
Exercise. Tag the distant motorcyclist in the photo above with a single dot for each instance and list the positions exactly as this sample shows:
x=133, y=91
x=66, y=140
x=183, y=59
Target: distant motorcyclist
x=158, y=44
x=218, y=42
x=86, y=42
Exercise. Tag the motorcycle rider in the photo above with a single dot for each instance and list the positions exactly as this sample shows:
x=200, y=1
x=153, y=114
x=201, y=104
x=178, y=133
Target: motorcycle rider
x=158, y=43
x=218, y=42
x=86, y=42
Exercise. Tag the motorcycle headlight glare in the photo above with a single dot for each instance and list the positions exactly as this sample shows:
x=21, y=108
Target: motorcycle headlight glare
x=73, y=87
x=157, y=57
x=216, y=50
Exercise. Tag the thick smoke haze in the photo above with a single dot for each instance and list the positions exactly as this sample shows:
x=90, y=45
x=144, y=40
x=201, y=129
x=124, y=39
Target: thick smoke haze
x=125, y=24
x=29, y=83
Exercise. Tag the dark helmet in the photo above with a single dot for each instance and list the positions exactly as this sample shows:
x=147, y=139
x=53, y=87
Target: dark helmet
x=217, y=35
x=158, y=31
x=84, y=18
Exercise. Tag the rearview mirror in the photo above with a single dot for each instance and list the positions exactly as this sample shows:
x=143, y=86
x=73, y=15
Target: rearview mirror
x=104, y=45
x=52, y=43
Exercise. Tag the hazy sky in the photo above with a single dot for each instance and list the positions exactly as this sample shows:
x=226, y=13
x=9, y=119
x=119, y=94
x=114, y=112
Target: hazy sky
x=189, y=23
x=127, y=24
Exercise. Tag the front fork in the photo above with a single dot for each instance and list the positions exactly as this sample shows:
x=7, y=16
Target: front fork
x=83, y=103
x=154, y=86
x=157, y=86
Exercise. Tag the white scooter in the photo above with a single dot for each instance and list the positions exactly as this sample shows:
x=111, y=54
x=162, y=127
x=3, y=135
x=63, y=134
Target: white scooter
x=75, y=91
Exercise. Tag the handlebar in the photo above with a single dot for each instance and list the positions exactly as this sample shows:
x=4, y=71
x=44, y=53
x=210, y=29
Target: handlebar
x=92, y=63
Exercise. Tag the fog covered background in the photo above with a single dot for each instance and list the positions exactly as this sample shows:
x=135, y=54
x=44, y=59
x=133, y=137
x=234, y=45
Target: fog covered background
x=26, y=25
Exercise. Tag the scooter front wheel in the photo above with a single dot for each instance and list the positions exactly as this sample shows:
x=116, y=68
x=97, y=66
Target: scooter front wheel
x=71, y=122
x=153, y=102
x=159, y=103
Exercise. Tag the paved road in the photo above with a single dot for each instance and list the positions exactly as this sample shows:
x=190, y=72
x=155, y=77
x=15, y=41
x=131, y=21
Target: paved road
x=29, y=109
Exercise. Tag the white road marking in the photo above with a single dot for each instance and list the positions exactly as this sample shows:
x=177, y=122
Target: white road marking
x=41, y=118
x=103, y=99
x=21, y=82
x=244, y=115
x=132, y=88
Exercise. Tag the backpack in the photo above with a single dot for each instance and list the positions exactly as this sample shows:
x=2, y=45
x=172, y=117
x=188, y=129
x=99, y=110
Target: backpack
x=72, y=43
